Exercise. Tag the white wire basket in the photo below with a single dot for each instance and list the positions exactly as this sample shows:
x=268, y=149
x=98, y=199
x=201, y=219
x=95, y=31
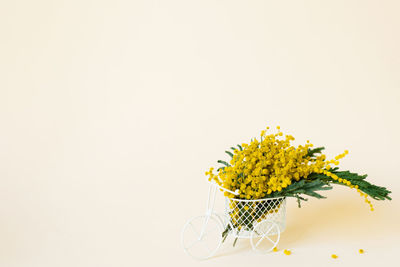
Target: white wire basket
x=244, y=215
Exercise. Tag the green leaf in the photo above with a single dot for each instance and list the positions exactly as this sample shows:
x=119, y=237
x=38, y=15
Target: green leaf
x=374, y=191
x=313, y=151
x=303, y=187
x=299, y=198
x=229, y=153
x=234, y=242
x=313, y=194
x=223, y=162
x=240, y=147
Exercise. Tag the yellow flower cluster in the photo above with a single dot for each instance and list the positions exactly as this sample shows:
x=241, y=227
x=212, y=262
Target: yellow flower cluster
x=266, y=166
x=272, y=164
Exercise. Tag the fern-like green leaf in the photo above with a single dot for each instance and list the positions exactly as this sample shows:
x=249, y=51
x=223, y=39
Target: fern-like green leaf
x=303, y=187
x=374, y=191
x=312, y=152
x=229, y=153
x=223, y=162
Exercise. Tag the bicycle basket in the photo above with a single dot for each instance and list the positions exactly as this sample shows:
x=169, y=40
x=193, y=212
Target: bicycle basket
x=245, y=214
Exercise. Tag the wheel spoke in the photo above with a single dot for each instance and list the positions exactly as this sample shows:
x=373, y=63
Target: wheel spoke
x=264, y=236
x=210, y=232
x=192, y=244
x=203, y=229
x=259, y=241
x=270, y=240
x=269, y=230
x=194, y=229
x=205, y=245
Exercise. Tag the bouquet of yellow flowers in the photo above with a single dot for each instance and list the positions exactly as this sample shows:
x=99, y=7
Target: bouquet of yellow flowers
x=272, y=167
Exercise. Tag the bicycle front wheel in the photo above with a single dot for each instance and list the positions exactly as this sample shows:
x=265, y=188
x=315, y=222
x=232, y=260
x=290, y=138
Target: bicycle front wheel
x=201, y=236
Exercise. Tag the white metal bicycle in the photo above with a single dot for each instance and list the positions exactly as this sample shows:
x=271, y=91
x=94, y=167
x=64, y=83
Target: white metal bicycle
x=261, y=220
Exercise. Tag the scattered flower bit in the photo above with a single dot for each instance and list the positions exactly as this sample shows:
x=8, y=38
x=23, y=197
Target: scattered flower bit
x=334, y=256
x=287, y=252
x=361, y=251
x=275, y=249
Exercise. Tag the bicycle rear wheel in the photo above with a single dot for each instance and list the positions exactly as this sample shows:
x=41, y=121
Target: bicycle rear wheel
x=265, y=236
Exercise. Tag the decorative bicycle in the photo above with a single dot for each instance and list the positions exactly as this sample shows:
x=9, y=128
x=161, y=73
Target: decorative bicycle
x=261, y=220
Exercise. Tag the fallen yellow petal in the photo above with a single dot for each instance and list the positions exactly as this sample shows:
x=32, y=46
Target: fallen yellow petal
x=287, y=252
x=361, y=251
x=334, y=256
x=275, y=249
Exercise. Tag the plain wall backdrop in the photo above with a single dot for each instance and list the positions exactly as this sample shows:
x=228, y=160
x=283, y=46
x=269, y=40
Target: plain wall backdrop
x=111, y=112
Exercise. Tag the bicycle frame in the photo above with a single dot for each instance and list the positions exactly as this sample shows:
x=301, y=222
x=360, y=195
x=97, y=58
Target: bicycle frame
x=219, y=221
x=212, y=191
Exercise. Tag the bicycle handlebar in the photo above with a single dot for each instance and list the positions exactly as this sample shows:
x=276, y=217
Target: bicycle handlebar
x=224, y=189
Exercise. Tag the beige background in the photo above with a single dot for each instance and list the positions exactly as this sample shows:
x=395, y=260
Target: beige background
x=111, y=111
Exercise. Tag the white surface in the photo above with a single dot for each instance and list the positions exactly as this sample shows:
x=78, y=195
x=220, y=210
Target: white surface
x=111, y=112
